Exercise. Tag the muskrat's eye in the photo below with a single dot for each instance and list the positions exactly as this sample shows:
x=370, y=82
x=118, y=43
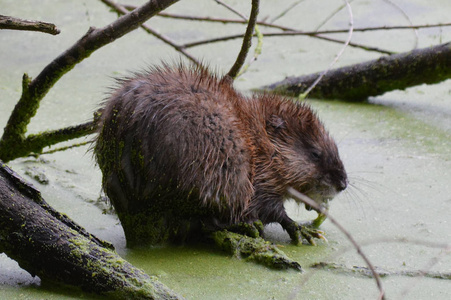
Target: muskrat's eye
x=316, y=155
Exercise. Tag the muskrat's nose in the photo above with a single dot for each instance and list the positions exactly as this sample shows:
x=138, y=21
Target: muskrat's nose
x=343, y=184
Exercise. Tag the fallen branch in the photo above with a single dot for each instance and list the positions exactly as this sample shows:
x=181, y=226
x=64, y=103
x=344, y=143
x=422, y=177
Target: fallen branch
x=53, y=247
x=33, y=91
x=373, y=78
x=19, y=24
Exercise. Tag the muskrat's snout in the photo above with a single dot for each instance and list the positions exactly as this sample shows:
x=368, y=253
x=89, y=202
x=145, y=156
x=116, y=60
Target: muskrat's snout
x=339, y=177
x=342, y=183
x=336, y=179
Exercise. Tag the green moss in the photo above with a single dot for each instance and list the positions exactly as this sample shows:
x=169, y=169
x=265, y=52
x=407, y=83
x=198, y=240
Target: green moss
x=253, y=249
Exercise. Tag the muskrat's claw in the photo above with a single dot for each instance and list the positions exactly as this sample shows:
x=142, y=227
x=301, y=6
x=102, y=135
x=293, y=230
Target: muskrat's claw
x=299, y=232
x=310, y=233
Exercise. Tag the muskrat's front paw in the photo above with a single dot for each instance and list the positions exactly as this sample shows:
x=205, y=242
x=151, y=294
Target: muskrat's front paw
x=299, y=232
x=310, y=233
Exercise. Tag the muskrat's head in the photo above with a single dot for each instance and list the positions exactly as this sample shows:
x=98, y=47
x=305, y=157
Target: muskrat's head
x=305, y=155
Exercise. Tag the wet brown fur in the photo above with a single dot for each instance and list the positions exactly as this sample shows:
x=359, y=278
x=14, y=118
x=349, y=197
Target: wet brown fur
x=182, y=132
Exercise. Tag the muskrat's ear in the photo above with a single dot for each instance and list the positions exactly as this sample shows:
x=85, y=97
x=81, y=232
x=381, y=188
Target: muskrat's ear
x=276, y=122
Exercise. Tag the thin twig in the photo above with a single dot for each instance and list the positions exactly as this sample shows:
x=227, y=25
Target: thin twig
x=231, y=9
x=330, y=16
x=303, y=198
x=284, y=28
x=19, y=24
x=292, y=32
x=123, y=10
x=65, y=148
x=272, y=34
x=247, y=40
x=285, y=11
x=396, y=6
x=339, y=54
x=400, y=27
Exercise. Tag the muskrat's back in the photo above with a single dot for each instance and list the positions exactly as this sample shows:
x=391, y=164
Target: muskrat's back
x=179, y=148
x=175, y=129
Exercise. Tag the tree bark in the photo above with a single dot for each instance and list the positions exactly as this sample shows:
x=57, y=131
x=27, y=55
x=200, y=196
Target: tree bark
x=53, y=247
x=373, y=78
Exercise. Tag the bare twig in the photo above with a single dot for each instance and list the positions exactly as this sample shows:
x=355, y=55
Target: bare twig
x=247, y=41
x=320, y=209
x=231, y=9
x=291, y=33
x=340, y=53
x=220, y=20
x=285, y=11
x=123, y=10
x=330, y=16
x=396, y=6
x=66, y=147
x=400, y=27
x=284, y=28
x=19, y=24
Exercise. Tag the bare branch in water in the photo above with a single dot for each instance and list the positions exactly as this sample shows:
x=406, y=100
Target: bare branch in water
x=303, y=198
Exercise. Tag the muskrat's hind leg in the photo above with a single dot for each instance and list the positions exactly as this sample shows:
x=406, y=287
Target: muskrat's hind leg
x=252, y=229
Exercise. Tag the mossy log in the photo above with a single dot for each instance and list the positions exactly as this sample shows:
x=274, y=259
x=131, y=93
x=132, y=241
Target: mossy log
x=53, y=247
x=373, y=78
x=254, y=249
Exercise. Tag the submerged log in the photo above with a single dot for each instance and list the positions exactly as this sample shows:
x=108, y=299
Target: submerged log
x=373, y=78
x=53, y=247
x=254, y=249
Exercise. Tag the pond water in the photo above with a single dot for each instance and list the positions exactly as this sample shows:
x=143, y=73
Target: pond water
x=396, y=148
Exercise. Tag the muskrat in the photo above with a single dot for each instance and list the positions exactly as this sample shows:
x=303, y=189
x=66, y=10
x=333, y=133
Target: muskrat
x=181, y=149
